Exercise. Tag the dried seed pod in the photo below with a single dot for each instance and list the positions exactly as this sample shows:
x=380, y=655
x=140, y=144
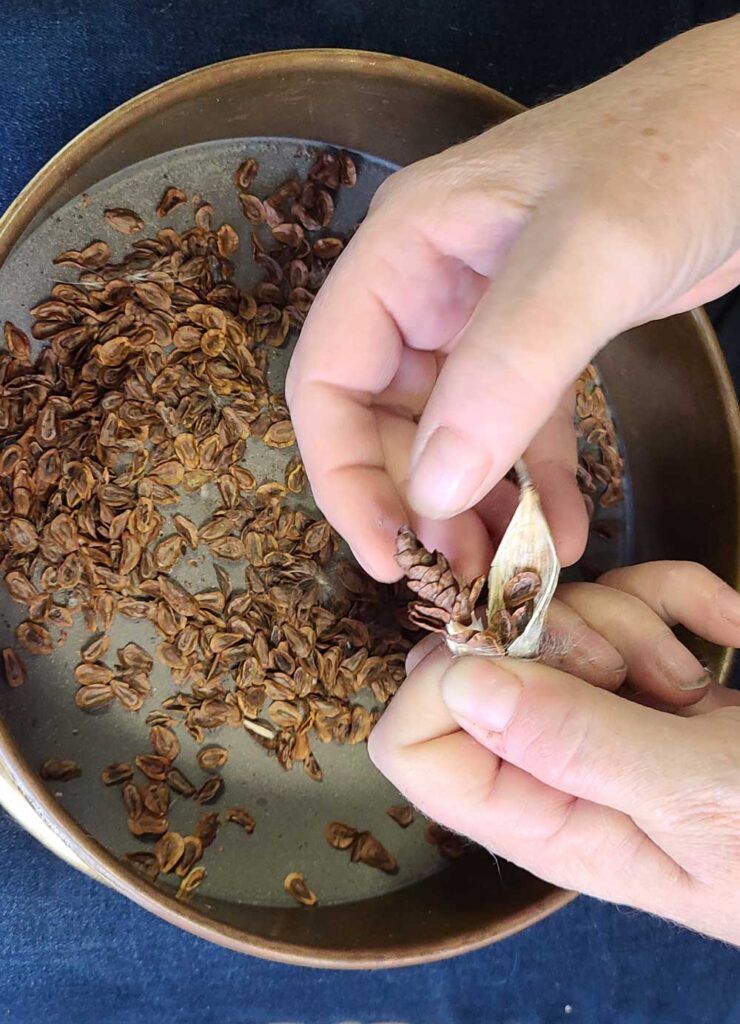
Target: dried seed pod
x=14, y=668
x=239, y=816
x=297, y=887
x=57, y=770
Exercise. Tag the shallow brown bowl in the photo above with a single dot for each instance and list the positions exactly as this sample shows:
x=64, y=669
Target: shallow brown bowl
x=668, y=387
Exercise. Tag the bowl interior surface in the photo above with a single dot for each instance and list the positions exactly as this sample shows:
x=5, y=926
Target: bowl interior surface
x=676, y=417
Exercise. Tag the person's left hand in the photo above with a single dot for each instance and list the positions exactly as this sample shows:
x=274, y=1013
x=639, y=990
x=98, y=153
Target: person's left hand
x=562, y=775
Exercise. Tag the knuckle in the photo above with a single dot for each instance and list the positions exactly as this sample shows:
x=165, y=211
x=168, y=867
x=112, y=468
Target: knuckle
x=379, y=749
x=558, y=739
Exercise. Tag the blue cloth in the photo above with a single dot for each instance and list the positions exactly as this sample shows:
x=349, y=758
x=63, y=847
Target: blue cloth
x=71, y=952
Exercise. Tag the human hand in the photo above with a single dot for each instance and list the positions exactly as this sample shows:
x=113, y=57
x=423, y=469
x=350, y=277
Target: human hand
x=586, y=789
x=483, y=280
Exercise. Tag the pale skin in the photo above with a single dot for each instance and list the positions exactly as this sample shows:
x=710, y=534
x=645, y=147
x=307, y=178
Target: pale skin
x=444, y=344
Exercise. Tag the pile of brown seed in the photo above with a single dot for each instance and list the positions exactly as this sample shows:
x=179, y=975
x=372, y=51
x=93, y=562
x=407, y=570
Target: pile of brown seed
x=152, y=383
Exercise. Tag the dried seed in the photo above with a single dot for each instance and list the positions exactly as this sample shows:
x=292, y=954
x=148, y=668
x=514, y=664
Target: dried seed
x=89, y=673
x=239, y=816
x=212, y=758
x=280, y=435
x=172, y=197
x=169, y=552
x=144, y=864
x=522, y=587
x=57, y=770
x=296, y=886
x=295, y=476
x=369, y=850
x=164, y=742
x=190, y=883
x=340, y=836
x=402, y=814
x=154, y=766
x=125, y=221
x=134, y=656
x=148, y=824
x=207, y=828
x=178, y=783
x=116, y=773
x=210, y=790
x=132, y=799
x=156, y=798
x=16, y=342
x=14, y=668
x=245, y=174
x=96, y=696
x=168, y=851
x=191, y=854
x=449, y=845
x=187, y=530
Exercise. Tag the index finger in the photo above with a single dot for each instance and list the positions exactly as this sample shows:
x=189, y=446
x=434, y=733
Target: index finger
x=389, y=296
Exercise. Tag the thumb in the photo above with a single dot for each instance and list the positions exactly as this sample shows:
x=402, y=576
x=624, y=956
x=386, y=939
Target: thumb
x=567, y=286
x=574, y=737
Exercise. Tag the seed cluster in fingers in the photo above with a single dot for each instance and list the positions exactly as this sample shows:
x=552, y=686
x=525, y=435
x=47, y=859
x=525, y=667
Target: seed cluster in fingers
x=600, y=470
x=445, y=605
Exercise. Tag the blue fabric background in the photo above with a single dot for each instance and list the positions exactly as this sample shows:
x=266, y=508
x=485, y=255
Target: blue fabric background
x=72, y=952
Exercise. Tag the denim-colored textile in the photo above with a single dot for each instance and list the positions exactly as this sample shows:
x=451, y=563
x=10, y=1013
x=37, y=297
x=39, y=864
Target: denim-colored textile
x=71, y=952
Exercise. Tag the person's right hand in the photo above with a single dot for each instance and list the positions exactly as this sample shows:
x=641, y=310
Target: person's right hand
x=447, y=338
x=565, y=777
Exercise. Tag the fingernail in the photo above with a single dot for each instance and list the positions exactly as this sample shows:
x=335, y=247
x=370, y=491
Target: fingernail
x=476, y=689
x=729, y=605
x=449, y=470
x=679, y=665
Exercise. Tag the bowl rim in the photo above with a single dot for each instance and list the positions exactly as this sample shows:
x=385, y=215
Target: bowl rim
x=92, y=856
